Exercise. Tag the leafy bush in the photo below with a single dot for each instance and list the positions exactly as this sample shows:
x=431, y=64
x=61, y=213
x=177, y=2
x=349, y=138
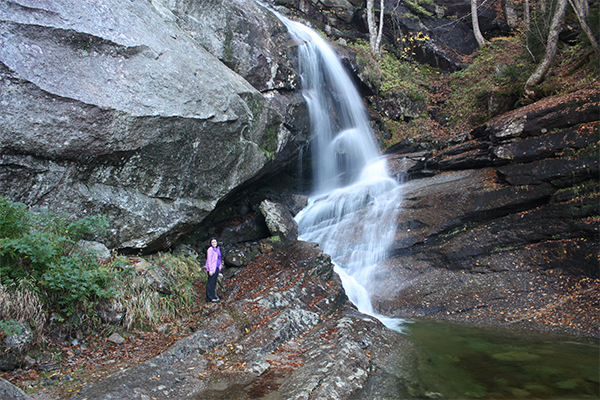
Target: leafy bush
x=15, y=219
x=39, y=247
x=75, y=283
x=31, y=243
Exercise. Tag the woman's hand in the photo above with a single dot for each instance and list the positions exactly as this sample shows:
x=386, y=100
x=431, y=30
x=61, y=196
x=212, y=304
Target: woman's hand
x=210, y=273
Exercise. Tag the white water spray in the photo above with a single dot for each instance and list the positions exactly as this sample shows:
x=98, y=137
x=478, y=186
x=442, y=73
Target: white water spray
x=352, y=212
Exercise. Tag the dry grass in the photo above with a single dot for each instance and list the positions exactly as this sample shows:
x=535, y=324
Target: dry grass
x=141, y=303
x=20, y=303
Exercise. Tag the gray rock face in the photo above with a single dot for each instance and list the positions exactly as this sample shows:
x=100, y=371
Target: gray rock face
x=10, y=392
x=243, y=34
x=251, y=41
x=106, y=108
x=292, y=335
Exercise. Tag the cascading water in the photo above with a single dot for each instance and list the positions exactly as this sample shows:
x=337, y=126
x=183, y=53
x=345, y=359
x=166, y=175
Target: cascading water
x=353, y=209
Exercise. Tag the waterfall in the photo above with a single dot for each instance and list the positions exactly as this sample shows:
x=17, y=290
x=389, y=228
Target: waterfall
x=339, y=125
x=352, y=211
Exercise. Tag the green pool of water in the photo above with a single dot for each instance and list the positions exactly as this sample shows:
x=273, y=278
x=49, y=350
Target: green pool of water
x=461, y=361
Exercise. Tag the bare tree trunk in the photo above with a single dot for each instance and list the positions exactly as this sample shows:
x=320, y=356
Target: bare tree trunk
x=551, y=46
x=581, y=8
x=372, y=27
x=526, y=16
x=475, y=19
x=380, y=33
x=374, y=35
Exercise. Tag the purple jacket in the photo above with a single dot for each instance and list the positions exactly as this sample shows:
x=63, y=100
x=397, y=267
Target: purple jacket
x=213, y=259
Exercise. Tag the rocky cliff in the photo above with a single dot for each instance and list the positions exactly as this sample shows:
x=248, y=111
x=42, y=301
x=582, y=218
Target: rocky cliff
x=504, y=230
x=152, y=112
x=111, y=108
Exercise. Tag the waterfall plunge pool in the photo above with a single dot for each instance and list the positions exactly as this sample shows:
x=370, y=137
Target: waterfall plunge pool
x=464, y=361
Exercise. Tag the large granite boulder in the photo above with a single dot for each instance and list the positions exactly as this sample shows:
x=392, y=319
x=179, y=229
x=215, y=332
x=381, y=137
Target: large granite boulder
x=108, y=108
x=250, y=39
x=244, y=35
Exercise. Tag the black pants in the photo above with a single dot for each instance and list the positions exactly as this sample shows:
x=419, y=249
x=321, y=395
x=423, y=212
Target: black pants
x=211, y=286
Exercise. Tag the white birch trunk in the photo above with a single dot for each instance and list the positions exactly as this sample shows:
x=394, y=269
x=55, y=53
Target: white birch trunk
x=375, y=35
x=475, y=19
x=581, y=8
x=551, y=46
x=372, y=26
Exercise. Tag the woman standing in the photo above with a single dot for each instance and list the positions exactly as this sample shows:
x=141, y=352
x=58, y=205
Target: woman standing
x=213, y=266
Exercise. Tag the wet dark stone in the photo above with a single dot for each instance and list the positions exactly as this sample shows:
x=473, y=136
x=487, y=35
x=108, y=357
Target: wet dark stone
x=559, y=172
x=545, y=146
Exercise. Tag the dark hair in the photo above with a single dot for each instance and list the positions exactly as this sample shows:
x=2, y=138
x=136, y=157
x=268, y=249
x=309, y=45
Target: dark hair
x=211, y=239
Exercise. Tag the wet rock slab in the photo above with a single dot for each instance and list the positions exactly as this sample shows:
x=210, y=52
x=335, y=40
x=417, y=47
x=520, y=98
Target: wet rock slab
x=283, y=330
x=506, y=232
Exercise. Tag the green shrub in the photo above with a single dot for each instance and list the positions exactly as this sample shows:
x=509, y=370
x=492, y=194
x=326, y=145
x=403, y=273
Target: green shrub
x=74, y=283
x=30, y=243
x=15, y=219
x=38, y=247
x=26, y=256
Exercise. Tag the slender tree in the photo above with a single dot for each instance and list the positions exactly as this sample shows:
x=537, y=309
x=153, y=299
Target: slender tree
x=375, y=34
x=581, y=8
x=526, y=16
x=380, y=33
x=474, y=17
x=551, y=46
